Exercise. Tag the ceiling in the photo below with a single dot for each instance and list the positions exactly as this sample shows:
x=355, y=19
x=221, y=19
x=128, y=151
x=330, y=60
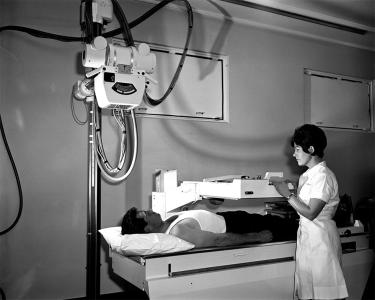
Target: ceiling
x=332, y=20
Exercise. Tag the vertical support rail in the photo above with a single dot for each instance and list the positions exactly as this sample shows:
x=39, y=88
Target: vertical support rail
x=93, y=210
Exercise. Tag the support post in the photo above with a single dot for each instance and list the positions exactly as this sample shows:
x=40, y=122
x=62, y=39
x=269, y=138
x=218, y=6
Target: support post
x=93, y=210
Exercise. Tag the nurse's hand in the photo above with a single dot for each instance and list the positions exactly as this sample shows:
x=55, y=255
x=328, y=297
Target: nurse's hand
x=281, y=185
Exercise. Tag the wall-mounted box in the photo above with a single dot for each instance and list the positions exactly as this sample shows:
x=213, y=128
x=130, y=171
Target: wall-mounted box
x=201, y=91
x=336, y=101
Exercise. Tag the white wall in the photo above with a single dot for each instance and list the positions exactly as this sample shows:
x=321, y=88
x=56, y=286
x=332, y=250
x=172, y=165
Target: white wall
x=44, y=257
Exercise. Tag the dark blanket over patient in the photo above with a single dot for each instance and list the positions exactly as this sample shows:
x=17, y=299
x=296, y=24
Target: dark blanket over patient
x=283, y=229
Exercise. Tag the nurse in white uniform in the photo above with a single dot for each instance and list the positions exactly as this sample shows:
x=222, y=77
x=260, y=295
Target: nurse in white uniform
x=318, y=273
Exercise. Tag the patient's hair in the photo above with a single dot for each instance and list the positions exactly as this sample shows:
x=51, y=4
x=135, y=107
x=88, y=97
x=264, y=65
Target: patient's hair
x=131, y=224
x=310, y=135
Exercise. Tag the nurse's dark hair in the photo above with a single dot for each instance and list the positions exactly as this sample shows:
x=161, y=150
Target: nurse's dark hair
x=131, y=224
x=310, y=135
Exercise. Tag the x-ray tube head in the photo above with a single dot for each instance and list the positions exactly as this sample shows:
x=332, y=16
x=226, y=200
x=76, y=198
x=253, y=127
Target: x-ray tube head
x=115, y=89
x=119, y=72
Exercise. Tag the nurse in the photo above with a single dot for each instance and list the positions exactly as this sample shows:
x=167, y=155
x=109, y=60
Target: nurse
x=318, y=273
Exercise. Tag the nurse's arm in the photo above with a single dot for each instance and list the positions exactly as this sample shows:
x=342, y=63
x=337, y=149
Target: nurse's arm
x=310, y=211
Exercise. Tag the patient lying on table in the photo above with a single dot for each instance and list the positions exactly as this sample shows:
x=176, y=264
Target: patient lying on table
x=207, y=229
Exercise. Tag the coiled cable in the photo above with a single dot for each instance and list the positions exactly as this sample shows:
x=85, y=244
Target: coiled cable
x=107, y=171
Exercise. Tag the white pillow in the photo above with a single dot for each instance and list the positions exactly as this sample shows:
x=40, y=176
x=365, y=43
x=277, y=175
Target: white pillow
x=143, y=244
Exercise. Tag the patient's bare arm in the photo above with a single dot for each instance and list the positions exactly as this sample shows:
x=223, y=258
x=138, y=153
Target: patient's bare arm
x=226, y=239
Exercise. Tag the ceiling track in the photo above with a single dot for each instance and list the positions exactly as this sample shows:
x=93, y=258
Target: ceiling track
x=297, y=16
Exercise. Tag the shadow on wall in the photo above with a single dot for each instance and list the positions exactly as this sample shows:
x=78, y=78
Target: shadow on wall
x=20, y=287
x=220, y=39
x=221, y=141
x=223, y=144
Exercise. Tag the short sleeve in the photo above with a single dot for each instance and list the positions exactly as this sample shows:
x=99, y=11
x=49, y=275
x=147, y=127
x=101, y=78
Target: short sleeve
x=323, y=187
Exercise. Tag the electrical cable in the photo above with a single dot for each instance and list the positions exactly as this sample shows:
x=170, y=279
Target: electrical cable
x=87, y=27
x=42, y=34
x=75, y=117
x=105, y=174
x=155, y=102
x=128, y=38
x=119, y=13
x=88, y=24
x=125, y=29
x=108, y=171
x=120, y=118
x=19, y=187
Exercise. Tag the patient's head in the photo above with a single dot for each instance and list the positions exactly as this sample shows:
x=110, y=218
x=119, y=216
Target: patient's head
x=132, y=223
x=141, y=221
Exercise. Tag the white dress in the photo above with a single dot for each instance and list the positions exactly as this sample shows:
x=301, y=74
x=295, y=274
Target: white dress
x=318, y=256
